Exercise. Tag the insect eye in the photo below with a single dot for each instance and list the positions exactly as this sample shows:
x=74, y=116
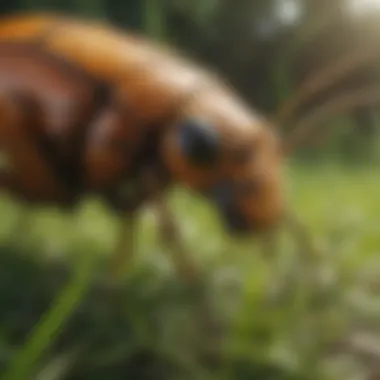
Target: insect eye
x=199, y=141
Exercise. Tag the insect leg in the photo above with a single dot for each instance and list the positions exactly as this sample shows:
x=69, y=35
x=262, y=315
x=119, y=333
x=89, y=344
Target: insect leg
x=126, y=205
x=168, y=229
x=147, y=188
x=125, y=248
x=171, y=236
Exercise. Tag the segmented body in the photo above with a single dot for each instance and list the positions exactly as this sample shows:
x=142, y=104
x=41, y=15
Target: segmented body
x=85, y=107
x=102, y=96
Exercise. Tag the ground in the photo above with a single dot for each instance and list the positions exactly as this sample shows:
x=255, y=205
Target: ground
x=291, y=312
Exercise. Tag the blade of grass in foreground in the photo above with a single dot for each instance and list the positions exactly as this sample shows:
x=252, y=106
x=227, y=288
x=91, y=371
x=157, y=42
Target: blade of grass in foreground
x=23, y=366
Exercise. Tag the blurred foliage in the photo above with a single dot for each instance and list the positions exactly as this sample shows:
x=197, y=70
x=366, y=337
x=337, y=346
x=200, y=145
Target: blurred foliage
x=253, y=316
x=265, y=48
x=287, y=317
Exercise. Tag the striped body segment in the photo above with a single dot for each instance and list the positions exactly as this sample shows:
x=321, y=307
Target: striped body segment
x=94, y=106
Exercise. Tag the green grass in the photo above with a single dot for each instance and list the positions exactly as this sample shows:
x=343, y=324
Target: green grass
x=280, y=316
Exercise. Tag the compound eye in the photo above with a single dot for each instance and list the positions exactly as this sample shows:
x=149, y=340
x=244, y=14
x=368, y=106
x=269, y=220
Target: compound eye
x=200, y=142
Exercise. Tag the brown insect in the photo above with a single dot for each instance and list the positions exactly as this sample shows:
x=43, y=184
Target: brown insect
x=86, y=108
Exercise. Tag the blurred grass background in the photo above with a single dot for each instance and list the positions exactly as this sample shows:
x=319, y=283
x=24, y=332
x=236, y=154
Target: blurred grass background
x=281, y=318
x=289, y=315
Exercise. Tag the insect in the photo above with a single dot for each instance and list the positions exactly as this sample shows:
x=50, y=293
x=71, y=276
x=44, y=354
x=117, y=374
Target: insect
x=87, y=108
